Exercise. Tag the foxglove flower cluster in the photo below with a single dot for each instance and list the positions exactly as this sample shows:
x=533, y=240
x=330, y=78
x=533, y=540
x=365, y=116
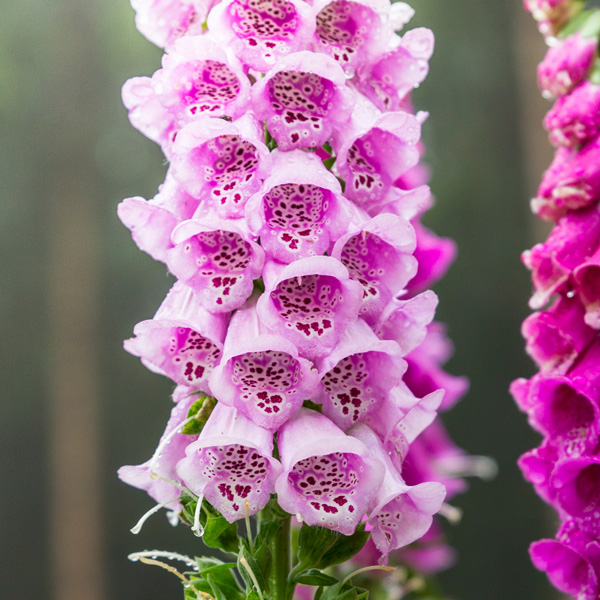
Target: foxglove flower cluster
x=562, y=401
x=300, y=329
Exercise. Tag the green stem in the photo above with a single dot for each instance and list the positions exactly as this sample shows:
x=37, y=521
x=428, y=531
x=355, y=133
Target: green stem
x=282, y=560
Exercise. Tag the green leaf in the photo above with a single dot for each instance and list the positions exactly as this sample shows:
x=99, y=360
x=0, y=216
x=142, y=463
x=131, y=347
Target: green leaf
x=329, y=162
x=268, y=530
x=313, y=406
x=576, y=23
x=219, y=533
x=313, y=543
x=344, y=548
x=222, y=588
x=252, y=595
x=314, y=577
x=201, y=409
x=259, y=563
x=211, y=565
x=197, y=584
x=345, y=592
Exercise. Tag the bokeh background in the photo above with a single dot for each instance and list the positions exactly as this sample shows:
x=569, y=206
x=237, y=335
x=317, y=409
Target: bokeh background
x=74, y=406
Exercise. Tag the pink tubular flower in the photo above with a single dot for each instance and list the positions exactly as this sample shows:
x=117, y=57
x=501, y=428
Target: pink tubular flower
x=231, y=464
x=351, y=31
x=575, y=238
x=224, y=162
x=375, y=152
x=217, y=259
x=164, y=21
x=302, y=98
x=378, y=255
x=328, y=478
x=406, y=321
x=566, y=64
x=152, y=221
x=551, y=15
x=403, y=66
x=358, y=374
x=183, y=341
x=577, y=484
x=261, y=32
x=164, y=463
x=300, y=210
x=310, y=302
x=399, y=513
x=575, y=118
x=261, y=374
x=198, y=78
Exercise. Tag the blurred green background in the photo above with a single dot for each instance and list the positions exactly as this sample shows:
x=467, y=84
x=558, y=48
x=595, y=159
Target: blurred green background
x=75, y=406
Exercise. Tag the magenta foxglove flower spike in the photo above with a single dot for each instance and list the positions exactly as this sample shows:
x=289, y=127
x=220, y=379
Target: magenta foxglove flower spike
x=562, y=401
x=328, y=477
x=231, y=464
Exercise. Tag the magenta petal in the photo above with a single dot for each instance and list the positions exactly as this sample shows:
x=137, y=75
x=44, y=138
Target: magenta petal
x=183, y=341
x=300, y=210
x=587, y=281
x=353, y=32
x=399, y=513
x=566, y=567
x=577, y=481
x=165, y=463
x=310, y=302
x=261, y=374
x=231, y=464
x=537, y=466
x=328, y=478
x=556, y=337
x=358, y=374
x=217, y=259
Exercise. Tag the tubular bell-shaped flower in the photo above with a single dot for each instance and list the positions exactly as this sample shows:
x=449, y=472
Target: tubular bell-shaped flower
x=358, y=374
x=399, y=513
x=221, y=161
x=262, y=31
x=351, y=31
x=378, y=255
x=261, y=374
x=375, y=152
x=300, y=210
x=231, y=464
x=183, y=341
x=302, y=98
x=328, y=478
x=217, y=259
x=310, y=302
x=392, y=76
x=165, y=462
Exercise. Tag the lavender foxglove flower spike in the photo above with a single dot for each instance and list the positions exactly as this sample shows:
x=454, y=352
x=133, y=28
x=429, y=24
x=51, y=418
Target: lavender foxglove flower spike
x=328, y=478
x=231, y=464
x=261, y=374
